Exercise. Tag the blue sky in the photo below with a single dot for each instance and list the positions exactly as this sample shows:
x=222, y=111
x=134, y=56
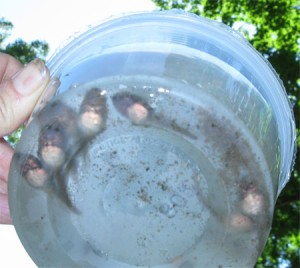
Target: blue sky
x=54, y=21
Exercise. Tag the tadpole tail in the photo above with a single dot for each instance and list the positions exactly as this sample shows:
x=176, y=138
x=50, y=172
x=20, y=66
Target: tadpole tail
x=60, y=191
x=61, y=187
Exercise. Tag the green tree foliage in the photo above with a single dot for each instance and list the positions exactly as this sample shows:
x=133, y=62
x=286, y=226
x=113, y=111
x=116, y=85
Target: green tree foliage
x=276, y=27
x=24, y=52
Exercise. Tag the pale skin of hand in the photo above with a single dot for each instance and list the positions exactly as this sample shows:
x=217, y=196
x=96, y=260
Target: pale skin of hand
x=20, y=89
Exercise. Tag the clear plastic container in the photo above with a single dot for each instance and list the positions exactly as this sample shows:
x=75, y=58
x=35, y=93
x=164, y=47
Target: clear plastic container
x=166, y=145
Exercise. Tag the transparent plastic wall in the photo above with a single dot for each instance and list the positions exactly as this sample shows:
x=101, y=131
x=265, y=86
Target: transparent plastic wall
x=166, y=145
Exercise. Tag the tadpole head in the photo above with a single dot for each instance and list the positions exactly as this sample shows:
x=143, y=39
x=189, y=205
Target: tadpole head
x=32, y=170
x=53, y=144
x=136, y=109
x=57, y=111
x=93, y=112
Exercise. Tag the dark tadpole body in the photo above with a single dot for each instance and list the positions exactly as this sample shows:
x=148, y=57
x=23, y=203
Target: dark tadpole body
x=52, y=147
x=93, y=113
x=58, y=144
x=57, y=111
x=139, y=112
x=32, y=169
x=133, y=107
x=58, y=134
x=38, y=176
x=64, y=135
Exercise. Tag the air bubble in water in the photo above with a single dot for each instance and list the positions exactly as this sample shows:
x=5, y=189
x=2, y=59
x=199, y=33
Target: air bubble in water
x=168, y=210
x=178, y=200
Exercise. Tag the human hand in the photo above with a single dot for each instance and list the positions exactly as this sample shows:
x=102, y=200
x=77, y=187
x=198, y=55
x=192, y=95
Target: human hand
x=20, y=89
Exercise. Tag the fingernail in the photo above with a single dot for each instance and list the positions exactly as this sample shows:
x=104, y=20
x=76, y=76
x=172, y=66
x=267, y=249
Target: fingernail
x=45, y=97
x=48, y=93
x=31, y=77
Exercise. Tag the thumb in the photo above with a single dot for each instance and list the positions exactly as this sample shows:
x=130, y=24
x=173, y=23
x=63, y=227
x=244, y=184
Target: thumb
x=19, y=94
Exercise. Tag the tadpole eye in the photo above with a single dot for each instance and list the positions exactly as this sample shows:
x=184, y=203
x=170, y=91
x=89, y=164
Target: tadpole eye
x=131, y=106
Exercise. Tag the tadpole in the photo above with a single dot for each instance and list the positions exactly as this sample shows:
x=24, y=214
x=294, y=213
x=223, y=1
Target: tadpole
x=93, y=113
x=132, y=106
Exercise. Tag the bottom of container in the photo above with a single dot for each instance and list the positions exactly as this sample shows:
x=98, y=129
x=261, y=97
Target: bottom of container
x=171, y=179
